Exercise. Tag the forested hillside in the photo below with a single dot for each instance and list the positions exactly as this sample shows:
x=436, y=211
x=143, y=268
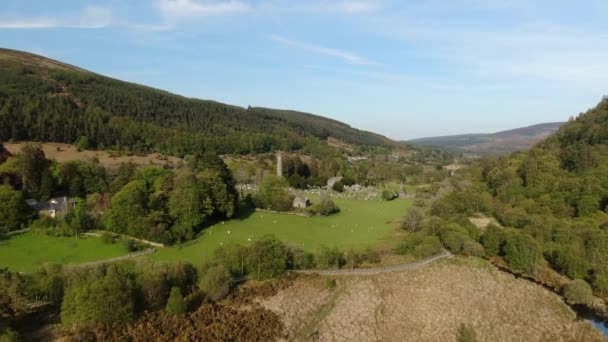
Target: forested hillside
x=551, y=204
x=46, y=100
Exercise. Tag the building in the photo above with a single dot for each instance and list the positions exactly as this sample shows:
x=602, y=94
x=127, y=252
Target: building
x=54, y=208
x=332, y=181
x=301, y=202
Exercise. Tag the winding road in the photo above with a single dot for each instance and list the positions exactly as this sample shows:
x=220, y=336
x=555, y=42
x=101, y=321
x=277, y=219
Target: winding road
x=380, y=270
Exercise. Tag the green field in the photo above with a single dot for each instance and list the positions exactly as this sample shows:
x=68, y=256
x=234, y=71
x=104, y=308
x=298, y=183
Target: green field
x=27, y=251
x=360, y=224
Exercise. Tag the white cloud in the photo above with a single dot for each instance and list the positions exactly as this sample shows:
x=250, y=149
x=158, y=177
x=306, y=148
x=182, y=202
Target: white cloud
x=91, y=17
x=348, y=57
x=95, y=17
x=181, y=9
x=355, y=7
x=26, y=24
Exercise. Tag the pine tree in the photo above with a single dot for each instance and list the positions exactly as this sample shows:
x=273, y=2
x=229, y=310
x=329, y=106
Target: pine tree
x=175, y=304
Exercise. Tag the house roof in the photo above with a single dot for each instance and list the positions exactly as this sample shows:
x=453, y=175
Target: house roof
x=56, y=204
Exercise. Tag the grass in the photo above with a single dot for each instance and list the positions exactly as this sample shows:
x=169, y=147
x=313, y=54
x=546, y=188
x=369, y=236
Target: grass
x=359, y=224
x=27, y=251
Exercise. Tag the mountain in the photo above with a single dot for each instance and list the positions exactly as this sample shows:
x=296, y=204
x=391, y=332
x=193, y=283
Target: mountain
x=494, y=143
x=46, y=100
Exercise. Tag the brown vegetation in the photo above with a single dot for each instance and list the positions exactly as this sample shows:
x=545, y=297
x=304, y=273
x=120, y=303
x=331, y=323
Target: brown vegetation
x=67, y=152
x=430, y=304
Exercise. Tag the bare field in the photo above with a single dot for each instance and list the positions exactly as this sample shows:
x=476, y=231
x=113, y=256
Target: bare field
x=68, y=152
x=428, y=304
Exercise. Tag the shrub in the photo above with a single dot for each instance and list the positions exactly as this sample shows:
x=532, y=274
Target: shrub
x=522, y=252
x=301, y=260
x=472, y=248
x=325, y=206
x=9, y=335
x=330, y=283
x=130, y=245
x=329, y=258
x=389, y=195
x=267, y=258
x=216, y=282
x=107, y=237
x=429, y=246
x=578, y=292
x=338, y=187
x=175, y=304
x=466, y=333
x=413, y=219
x=372, y=256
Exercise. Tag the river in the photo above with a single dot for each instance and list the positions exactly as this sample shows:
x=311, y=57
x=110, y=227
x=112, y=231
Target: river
x=597, y=322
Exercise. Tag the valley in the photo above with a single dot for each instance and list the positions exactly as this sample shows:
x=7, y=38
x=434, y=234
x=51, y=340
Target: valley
x=135, y=214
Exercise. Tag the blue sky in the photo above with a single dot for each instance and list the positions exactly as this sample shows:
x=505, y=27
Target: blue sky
x=405, y=69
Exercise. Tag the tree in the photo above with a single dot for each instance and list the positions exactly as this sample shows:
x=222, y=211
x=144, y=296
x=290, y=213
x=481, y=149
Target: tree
x=14, y=212
x=273, y=194
x=578, y=292
x=128, y=208
x=103, y=298
x=413, y=219
x=325, y=206
x=33, y=166
x=82, y=143
x=267, y=258
x=216, y=283
x=175, y=303
x=189, y=205
x=522, y=252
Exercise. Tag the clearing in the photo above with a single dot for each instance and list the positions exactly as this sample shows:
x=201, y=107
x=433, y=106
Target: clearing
x=427, y=304
x=67, y=152
x=26, y=252
x=359, y=224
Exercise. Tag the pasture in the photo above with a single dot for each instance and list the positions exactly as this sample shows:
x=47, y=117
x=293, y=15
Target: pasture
x=359, y=224
x=27, y=251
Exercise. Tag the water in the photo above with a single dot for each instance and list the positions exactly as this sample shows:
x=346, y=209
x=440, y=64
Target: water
x=598, y=323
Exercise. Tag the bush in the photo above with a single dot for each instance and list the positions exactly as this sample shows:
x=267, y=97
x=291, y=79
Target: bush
x=372, y=256
x=175, y=304
x=267, y=258
x=466, y=333
x=429, y=246
x=389, y=195
x=338, y=187
x=325, y=207
x=330, y=283
x=130, y=245
x=329, y=258
x=273, y=194
x=216, y=283
x=107, y=237
x=578, y=292
x=301, y=260
x=413, y=219
x=522, y=252
x=9, y=335
x=472, y=248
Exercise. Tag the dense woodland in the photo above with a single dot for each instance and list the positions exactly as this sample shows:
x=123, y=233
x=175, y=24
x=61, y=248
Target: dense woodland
x=42, y=102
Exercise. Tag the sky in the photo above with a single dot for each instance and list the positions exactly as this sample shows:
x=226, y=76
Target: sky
x=405, y=69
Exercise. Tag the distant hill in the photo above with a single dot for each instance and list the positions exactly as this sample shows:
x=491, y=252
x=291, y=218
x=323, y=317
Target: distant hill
x=46, y=100
x=494, y=143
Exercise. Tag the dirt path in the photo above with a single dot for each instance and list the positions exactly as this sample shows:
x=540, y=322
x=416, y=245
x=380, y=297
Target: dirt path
x=111, y=260
x=381, y=270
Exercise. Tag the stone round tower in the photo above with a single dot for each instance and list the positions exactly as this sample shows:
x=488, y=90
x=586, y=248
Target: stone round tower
x=280, y=164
